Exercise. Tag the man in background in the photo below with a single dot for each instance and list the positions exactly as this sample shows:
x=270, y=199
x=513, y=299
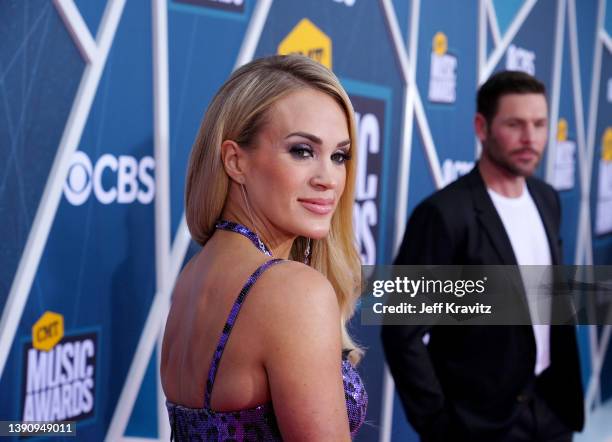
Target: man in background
x=491, y=383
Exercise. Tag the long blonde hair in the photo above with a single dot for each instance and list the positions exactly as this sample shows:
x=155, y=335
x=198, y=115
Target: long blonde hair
x=237, y=112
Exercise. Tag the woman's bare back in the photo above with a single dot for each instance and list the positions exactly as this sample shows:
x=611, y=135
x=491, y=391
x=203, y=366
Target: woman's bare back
x=201, y=302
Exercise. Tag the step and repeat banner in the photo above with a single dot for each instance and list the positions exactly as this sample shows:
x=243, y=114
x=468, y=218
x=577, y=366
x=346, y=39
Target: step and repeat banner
x=100, y=102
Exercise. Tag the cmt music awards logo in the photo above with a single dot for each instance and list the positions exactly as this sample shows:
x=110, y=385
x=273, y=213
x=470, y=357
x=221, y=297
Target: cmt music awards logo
x=59, y=375
x=122, y=179
x=565, y=158
x=603, y=220
x=370, y=117
x=442, y=72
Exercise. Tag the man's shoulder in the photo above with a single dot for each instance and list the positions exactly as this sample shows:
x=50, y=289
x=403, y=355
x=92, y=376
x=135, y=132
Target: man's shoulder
x=440, y=223
x=452, y=197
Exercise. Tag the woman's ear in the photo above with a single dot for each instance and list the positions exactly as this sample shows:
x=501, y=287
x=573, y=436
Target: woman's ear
x=233, y=158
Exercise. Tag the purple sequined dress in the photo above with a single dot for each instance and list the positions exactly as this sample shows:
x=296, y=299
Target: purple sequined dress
x=258, y=423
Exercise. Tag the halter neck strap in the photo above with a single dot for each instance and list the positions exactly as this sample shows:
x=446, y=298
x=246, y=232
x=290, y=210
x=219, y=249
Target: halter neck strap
x=229, y=325
x=244, y=231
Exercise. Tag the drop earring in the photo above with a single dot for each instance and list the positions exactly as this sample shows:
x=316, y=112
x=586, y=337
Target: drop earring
x=307, y=253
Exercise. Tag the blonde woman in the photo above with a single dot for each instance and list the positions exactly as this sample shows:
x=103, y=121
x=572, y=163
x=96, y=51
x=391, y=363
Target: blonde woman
x=264, y=304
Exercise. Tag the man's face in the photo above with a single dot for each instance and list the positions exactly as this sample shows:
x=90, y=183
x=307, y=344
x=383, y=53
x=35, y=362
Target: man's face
x=516, y=137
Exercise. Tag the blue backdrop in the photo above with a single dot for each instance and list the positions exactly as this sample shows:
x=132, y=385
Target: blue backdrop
x=100, y=99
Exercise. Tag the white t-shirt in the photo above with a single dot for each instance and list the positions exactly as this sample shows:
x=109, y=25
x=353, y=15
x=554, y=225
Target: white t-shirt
x=529, y=242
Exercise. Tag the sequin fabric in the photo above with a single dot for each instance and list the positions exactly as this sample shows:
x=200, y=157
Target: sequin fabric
x=257, y=423
x=355, y=396
x=244, y=231
x=202, y=424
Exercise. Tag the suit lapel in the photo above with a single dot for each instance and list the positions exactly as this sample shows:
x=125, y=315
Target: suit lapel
x=547, y=220
x=489, y=218
x=491, y=222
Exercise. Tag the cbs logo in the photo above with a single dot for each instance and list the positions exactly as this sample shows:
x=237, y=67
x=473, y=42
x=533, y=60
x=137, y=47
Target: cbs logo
x=132, y=180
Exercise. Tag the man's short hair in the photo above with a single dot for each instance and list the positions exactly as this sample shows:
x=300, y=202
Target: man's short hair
x=504, y=83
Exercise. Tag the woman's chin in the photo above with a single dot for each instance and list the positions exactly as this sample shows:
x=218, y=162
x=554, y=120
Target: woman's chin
x=317, y=232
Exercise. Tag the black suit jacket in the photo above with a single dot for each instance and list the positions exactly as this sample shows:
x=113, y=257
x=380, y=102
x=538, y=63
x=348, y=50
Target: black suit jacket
x=469, y=382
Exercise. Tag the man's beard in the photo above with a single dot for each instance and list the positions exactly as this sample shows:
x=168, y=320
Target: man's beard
x=505, y=160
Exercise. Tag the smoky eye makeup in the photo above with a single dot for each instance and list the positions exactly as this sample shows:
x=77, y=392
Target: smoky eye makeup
x=341, y=156
x=301, y=151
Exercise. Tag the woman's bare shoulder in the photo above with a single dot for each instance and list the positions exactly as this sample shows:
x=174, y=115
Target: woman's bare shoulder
x=297, y=299
x=301, y=346
x=294, y=283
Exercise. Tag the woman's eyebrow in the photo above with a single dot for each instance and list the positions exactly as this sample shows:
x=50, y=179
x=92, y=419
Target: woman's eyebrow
x=316, y=139
x=306, y=135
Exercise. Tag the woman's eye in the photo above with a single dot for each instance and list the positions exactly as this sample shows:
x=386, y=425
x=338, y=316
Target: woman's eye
x=301, y=151
x=340, y=157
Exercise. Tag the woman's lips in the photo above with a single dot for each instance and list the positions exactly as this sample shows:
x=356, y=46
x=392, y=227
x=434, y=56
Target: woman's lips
x=320, y=206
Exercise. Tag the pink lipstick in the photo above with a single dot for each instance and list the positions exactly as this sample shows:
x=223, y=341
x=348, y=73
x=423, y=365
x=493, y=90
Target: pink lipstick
x=320, y=206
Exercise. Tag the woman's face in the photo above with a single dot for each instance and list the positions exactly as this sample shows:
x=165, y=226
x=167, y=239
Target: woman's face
x=297, y=166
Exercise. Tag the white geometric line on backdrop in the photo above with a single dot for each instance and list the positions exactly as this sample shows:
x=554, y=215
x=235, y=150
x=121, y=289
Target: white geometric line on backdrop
x=555, y=89
x=77, y=28
x=413, y=107
x=156, y=318
x=50, y=199
x=584, y=253
x=493, y=25
x=493, y=59
x=161, y=140
x=584, y=249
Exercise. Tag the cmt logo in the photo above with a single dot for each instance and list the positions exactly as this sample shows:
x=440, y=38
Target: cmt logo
x=306, y=39
x=122, y=179
x=47, y=331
